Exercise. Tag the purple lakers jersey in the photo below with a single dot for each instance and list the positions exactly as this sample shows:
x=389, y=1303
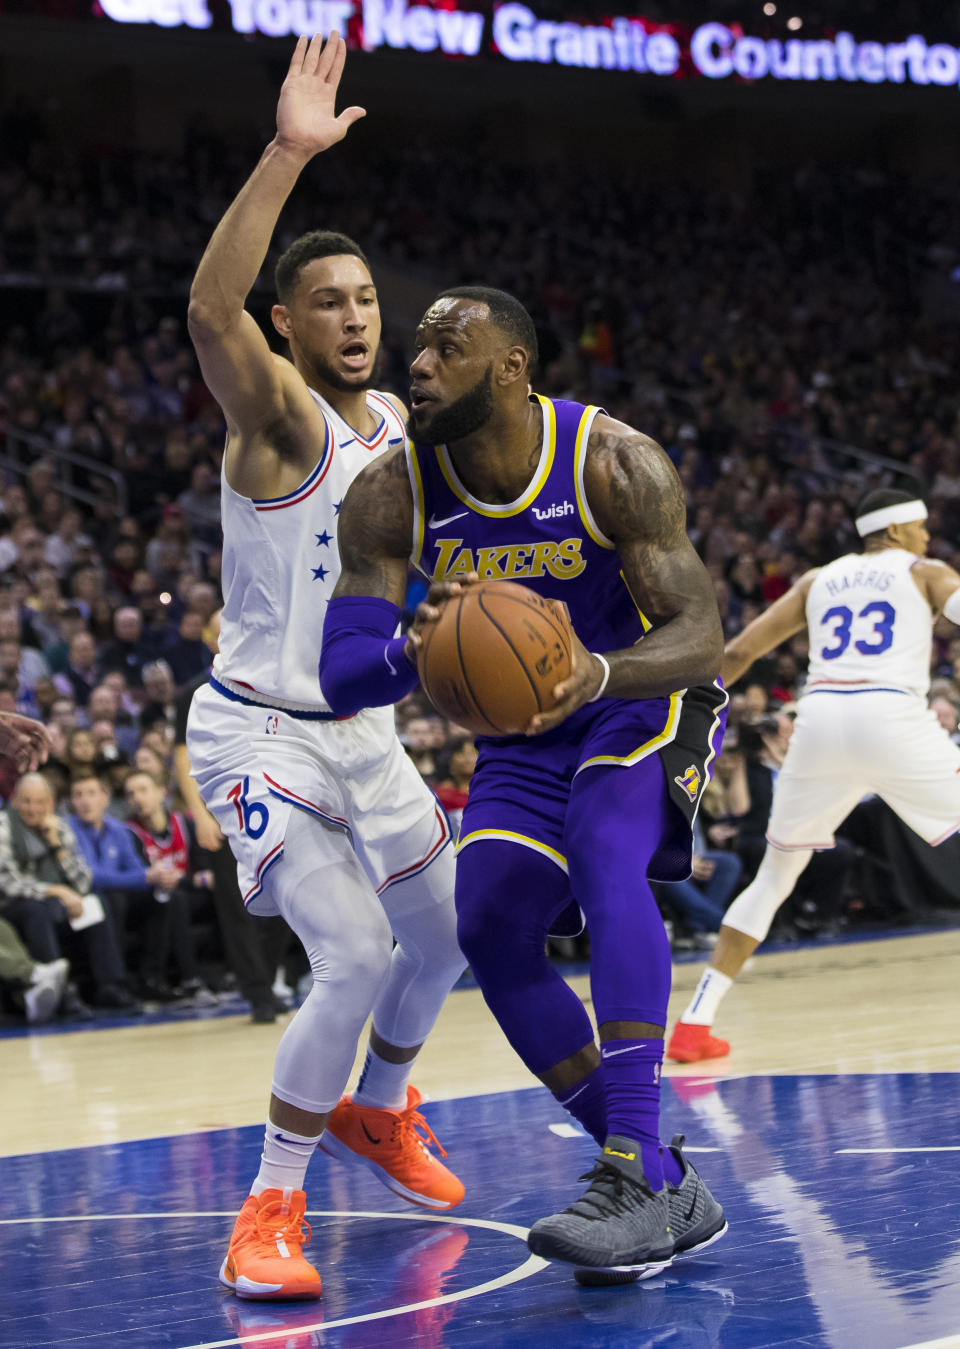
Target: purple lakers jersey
x=547, y=539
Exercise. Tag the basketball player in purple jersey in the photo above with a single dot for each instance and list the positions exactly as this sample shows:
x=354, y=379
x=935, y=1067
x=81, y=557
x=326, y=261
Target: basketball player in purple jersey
x=602, y=789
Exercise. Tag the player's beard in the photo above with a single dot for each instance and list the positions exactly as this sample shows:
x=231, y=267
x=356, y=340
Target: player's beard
x=466, y=414
x=336, y=379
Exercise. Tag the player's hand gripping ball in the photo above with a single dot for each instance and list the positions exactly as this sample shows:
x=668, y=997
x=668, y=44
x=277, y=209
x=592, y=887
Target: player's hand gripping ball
x=492, y=659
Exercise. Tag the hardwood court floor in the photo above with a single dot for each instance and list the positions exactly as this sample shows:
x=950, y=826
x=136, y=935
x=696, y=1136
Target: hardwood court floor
x=829, y=1135
x=874, y=1006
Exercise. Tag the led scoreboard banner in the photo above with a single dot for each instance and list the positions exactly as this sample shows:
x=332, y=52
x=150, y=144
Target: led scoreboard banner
x=514, y=32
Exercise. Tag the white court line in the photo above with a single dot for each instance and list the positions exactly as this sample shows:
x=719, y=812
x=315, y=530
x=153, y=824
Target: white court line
x=951, y=1342
x=532, y=1265
x=844, y=1151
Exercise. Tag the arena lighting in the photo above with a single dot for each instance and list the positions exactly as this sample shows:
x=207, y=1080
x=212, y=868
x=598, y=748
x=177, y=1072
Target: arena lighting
x=624, y=43
x=795, y=23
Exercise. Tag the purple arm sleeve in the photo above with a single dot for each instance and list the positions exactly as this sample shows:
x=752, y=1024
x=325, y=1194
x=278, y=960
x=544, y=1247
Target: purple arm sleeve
x=362, y=664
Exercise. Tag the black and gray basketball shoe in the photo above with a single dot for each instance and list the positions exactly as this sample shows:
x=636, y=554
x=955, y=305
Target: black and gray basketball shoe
x=696, y=1219
x=618, y=1230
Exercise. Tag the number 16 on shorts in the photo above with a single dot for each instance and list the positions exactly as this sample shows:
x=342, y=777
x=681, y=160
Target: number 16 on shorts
x=252, y=816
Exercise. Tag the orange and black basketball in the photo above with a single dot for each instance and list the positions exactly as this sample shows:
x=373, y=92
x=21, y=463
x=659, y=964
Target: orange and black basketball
x=492, y=659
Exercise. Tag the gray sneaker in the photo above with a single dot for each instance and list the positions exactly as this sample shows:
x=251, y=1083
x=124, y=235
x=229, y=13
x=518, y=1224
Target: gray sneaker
x=618, y=1227
x=42, y=996
x=696, y=1219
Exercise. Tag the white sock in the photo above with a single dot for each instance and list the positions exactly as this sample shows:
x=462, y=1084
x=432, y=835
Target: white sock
x=382, y=1084
x=284, y=1160
x=703, y=1005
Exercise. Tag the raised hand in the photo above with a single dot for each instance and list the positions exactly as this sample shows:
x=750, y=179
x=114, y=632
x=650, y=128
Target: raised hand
x=306, y=116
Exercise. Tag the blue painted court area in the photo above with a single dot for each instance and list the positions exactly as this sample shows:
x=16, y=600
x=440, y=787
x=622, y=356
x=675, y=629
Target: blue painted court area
x=843, y=1196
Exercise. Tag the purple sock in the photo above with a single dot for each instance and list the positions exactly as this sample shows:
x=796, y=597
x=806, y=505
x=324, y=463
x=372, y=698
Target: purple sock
x=631, y=1074
x=586, y=1102
x=672, y=1170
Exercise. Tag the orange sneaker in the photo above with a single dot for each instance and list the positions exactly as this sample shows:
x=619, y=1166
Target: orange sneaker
x=264, y=1258
x=393, y=1144
x=690, y=1044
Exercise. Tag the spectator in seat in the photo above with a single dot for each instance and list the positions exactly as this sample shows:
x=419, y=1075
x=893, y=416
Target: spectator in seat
x=165, y=837
x=189, y=655
x=160, y=691
x=57, y=652
x=452, y=789
x=126, y=883
x=43, y=881
x=83, y=670
x=124, y=653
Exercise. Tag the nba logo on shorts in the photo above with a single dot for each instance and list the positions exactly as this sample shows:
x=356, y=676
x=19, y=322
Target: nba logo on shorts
x=273, y=725
x=690, y=781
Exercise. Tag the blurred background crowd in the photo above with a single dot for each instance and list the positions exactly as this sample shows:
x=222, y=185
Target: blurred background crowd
x=790, y=343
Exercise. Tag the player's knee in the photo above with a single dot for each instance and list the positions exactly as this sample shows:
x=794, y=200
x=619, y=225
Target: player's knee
x=353, y=962
x=474, y=937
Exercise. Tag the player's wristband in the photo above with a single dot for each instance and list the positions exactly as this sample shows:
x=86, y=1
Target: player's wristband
x=606, y=676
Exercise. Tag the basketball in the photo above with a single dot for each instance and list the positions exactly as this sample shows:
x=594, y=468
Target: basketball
x=492, y=659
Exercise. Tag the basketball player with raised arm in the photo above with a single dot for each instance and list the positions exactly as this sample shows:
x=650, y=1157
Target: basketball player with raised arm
x=863, y=725
x=330, y=823
x=602, y=789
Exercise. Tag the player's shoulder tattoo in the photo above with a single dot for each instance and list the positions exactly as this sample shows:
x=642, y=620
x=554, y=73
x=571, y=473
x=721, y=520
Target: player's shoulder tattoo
x=633, y=488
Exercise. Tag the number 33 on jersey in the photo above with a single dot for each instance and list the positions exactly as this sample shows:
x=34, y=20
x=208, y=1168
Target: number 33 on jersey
x=869, y=624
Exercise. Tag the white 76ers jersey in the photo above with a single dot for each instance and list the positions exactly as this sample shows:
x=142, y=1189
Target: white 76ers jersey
x=280, y=565
x=869, y=625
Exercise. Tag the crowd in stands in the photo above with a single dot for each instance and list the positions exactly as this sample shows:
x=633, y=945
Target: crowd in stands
x=754, y=337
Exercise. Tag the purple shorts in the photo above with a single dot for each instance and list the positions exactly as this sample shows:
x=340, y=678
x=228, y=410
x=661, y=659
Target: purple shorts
x=522, y=786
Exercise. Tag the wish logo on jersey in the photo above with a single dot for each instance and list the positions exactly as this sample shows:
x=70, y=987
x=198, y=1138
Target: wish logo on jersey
x=559, y=558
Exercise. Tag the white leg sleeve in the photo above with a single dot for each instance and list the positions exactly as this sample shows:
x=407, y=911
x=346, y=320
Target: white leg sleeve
x=752, y=911
x=426, y=961
x=325, y=895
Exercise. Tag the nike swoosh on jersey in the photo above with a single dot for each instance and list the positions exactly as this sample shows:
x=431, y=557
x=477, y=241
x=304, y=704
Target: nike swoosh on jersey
x=433, y=523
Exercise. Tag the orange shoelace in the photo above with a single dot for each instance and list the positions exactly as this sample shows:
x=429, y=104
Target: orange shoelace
x=407, y=1131
x=277, y=1222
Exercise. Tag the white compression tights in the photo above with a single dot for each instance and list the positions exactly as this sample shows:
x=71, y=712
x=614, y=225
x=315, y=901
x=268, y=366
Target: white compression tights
x=753, y=911
x=347, y=931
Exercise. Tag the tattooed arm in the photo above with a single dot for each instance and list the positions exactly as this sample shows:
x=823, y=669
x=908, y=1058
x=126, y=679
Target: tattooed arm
x=375, y=531
x=362, y=662
x=637, y=500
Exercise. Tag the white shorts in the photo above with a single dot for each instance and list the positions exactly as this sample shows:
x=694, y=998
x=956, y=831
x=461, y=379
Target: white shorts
x=255, y=764
x=846, y=746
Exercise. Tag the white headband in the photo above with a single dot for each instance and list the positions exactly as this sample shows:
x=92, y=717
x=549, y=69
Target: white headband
x=903, y=513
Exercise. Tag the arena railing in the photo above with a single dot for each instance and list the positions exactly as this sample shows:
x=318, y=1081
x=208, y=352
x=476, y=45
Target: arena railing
x=23, y=449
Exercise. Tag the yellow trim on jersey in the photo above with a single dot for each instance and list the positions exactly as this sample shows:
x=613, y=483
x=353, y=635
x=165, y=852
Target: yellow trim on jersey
x=647, y=625
x=419, y=505
x=648, y=746
x=713, y=730
x=508, y=836
x=533, y=490
x=579, y=460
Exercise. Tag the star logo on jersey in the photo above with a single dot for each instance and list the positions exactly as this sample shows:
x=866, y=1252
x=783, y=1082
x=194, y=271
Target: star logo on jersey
x=337, y=505
x=690, y=781
x=320, y=573
x=324, y=539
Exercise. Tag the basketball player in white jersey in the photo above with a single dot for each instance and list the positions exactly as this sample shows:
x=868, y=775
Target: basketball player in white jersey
x=863, y=725
x=330, y=823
